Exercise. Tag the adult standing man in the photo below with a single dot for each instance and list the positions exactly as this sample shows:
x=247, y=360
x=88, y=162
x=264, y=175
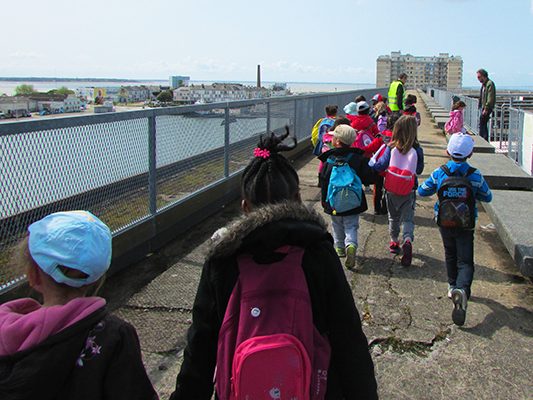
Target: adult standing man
x=397, y=93
x=487, y=101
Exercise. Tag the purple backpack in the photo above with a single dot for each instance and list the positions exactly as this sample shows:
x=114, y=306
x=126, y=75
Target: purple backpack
x=268, y=347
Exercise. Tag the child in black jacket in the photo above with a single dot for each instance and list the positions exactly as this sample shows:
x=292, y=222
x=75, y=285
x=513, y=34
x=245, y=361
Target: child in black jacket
x=68, y=347
x=274, y=216
x=345, y=224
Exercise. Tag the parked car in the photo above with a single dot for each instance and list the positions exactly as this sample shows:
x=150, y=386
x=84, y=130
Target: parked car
x=2, y=115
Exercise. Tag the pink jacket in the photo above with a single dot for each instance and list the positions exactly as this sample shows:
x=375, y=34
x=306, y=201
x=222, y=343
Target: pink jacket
x=455, y=123
x=24, y=323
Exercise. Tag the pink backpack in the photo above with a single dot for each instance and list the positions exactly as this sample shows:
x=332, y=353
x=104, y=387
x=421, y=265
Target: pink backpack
x=400, y=176
x=268, y=347
x=364, y=137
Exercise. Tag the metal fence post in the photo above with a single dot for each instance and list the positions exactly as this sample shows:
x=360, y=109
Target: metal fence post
x=152, y=165
x=226, y=142
x=268, y=117
x=295, y=116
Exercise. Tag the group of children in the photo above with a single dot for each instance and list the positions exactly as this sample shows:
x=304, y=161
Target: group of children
x=390, y=156
x=272, y=294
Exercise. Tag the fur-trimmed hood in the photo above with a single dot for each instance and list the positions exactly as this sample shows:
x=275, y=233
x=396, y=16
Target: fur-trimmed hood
x=269, y=227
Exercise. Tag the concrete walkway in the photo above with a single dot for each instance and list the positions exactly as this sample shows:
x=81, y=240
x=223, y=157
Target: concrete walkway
x=418, y=352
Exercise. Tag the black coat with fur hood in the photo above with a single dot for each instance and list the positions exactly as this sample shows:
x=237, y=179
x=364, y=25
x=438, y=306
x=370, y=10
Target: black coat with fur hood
x=351, y=374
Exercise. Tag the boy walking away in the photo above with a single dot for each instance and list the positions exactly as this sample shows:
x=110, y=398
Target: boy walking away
x=410, y=108
x=345, y=170
x=365, y=128
x=458, y=186
x=402, y=160
x=322, y=125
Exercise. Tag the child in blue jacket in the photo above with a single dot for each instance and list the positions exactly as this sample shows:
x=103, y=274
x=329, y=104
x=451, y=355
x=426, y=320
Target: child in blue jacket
x=458, y=242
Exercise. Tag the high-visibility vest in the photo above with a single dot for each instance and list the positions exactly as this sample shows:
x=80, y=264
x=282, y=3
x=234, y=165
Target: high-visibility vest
x=393, y=89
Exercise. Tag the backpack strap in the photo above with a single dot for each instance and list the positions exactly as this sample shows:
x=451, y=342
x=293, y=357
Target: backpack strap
x=470, y=171
x=447, y=171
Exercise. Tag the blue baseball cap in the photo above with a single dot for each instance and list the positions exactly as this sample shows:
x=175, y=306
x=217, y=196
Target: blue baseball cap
x=350, y=108
x=73, y=239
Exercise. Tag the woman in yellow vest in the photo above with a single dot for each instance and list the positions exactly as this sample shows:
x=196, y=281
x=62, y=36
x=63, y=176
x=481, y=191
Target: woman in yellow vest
x=397, y=93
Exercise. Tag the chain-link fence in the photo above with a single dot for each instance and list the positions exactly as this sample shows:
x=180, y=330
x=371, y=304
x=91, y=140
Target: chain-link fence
x=127, y=167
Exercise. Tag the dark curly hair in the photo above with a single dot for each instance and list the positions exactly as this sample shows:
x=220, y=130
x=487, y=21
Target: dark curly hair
x=270, y=179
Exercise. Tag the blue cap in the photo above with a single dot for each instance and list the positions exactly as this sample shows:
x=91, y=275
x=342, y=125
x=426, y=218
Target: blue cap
x=73, y=239
x=350, y=108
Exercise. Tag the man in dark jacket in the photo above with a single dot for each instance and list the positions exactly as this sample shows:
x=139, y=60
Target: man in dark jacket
x=487, y=102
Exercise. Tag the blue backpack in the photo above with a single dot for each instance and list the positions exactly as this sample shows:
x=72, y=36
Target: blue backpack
x=323, y=127
x=345, y=190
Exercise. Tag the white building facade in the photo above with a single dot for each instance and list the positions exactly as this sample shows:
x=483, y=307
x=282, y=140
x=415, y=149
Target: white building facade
x=442, y=71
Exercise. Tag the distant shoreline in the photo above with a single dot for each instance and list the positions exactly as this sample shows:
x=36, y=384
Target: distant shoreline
x=52, y=79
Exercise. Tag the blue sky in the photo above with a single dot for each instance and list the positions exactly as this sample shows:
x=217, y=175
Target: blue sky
x=306, y=41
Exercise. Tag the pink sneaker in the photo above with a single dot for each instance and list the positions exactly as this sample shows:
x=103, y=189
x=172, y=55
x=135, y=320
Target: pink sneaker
x=407, y=257
x=394, y=247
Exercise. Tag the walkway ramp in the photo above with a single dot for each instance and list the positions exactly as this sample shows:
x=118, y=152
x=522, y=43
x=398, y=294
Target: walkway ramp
x=417, y=351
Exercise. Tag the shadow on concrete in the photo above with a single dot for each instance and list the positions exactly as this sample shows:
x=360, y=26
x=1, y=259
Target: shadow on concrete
x=430, y=268
x=518, y=319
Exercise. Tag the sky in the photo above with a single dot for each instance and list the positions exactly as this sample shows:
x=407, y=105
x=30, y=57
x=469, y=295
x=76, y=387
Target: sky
x=292, y=40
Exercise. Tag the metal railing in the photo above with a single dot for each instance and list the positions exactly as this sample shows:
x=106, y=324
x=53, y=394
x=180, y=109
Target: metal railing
x=506, y=128
x=128, y=167
x=470, y=113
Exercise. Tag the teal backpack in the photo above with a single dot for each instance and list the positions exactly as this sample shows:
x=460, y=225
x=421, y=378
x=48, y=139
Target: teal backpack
x=345, y=190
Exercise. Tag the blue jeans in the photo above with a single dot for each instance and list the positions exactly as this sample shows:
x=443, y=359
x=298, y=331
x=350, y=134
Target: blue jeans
x=459, y=255
x=345, y=229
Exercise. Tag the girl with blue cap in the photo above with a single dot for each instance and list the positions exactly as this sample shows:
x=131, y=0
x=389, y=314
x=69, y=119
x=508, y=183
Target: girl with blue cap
x=68, y=347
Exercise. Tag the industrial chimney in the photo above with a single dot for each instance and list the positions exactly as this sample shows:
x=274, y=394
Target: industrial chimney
x=258, y=76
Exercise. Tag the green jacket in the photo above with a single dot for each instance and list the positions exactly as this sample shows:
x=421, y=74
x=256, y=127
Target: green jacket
x=487, y=96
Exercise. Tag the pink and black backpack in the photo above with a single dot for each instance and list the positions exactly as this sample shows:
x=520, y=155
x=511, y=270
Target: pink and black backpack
x=268, y=347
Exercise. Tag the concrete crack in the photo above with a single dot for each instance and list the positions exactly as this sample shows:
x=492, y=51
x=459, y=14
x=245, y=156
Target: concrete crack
x=399, y=346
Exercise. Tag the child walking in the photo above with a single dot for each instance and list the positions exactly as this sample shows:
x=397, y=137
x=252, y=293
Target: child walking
x=458, y=186
x=410, y=108
x=402, y=161
x=455, y=124
x=68, y=347
x=275, y=226
x=345, y=222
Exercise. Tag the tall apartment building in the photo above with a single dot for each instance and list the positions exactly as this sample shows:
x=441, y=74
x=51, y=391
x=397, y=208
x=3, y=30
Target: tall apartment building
x=442, y=71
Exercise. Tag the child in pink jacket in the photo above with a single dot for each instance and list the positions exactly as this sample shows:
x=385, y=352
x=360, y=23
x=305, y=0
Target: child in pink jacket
x=455, y=123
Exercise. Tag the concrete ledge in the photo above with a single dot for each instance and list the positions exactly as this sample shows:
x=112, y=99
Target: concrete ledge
x=440, y=121
x=500, y=172
x=441, y=114
x=509, y=213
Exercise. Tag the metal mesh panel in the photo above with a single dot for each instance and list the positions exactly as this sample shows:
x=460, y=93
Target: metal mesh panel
x=104, y=167
x=514, y=148
x=189, y=154
x=245, y=126
x=281, y=114
x=100, y=168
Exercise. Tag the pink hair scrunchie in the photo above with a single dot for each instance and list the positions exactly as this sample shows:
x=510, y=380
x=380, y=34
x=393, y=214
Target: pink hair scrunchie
x=262, y=153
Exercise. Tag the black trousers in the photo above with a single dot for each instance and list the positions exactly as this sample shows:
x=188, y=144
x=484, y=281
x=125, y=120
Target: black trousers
x=484, y=125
